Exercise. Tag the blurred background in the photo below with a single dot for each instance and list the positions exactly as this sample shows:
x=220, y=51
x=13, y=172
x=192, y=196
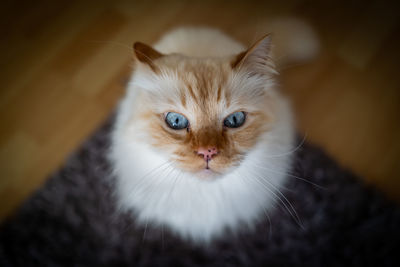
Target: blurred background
x=65, y=64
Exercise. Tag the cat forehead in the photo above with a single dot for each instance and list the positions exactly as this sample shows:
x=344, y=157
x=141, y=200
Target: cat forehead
x=178, y=76
x=199, y=72
x=201, y=93
x=207, y=85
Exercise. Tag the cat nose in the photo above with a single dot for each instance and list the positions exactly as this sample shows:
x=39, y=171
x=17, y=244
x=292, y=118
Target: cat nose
x=207, y=153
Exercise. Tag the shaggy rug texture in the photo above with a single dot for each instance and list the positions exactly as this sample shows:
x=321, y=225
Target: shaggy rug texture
x=73, y=221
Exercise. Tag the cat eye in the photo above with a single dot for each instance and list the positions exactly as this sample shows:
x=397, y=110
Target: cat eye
x=235, y=120
x=176, y=121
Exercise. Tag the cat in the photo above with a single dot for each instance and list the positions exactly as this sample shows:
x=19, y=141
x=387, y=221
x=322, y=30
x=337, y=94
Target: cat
x=202, y=139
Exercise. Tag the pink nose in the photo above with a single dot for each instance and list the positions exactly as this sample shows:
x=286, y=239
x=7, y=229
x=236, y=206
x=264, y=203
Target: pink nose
x=207, y=152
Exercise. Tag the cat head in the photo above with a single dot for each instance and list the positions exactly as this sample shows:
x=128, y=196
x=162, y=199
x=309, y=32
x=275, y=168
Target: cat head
x=204, y=114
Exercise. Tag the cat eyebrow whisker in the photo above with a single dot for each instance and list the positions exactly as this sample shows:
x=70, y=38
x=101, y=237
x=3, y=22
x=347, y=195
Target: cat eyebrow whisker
x=112, y=43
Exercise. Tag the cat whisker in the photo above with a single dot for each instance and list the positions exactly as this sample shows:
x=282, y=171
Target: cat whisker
x=168, y=196
x=299, y=221
x=151, y=175
x=290, y=175
x=145, y=230
x=277, y=199
x=291, y=151
x=160, y=198
x=161, y=180
x=166, y=162
x=173, y=185
x=291, y=210
x=260, y=205
x=146, y=189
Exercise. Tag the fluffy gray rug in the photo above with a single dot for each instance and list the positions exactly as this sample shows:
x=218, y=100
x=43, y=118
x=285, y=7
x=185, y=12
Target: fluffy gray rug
x=72, y=221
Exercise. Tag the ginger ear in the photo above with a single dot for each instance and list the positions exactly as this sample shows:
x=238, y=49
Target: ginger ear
x=256, y=59
x=146, y=54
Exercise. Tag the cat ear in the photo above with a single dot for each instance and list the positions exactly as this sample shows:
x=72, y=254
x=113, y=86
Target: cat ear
x=256, y=59
x=146, y=54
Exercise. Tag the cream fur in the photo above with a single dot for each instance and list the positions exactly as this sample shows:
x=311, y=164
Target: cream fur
x=197, y=209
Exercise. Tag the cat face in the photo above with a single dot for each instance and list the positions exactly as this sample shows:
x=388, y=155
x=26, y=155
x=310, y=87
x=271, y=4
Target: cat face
x=205, y=115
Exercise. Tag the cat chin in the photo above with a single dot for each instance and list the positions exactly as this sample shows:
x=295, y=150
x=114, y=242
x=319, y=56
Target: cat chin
x=208, y=174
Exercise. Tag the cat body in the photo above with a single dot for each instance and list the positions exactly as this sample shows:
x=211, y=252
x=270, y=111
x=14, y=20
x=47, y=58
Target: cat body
x=211, y=174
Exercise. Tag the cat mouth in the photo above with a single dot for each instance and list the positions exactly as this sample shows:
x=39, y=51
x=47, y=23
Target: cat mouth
x=208, y=172
x=207, y=165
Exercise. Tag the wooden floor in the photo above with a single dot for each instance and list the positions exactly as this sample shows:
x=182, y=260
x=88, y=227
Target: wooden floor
x=64, y=65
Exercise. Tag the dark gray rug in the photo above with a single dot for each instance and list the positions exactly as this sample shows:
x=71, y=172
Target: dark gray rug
x=72, y=221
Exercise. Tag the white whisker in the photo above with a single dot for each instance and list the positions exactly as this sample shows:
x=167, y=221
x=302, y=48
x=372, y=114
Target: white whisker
x=145, y=230
x=277, y=197
x=262, y=206
x=290, y=175
x=173, y=185
x=297, y=217
x=146, y=177
x=291, y=151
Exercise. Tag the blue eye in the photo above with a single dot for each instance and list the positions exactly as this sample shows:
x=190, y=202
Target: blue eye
x=176, y=121
x=235, y=120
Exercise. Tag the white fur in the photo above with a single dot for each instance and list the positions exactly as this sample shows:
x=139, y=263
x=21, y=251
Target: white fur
x=197, y=209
